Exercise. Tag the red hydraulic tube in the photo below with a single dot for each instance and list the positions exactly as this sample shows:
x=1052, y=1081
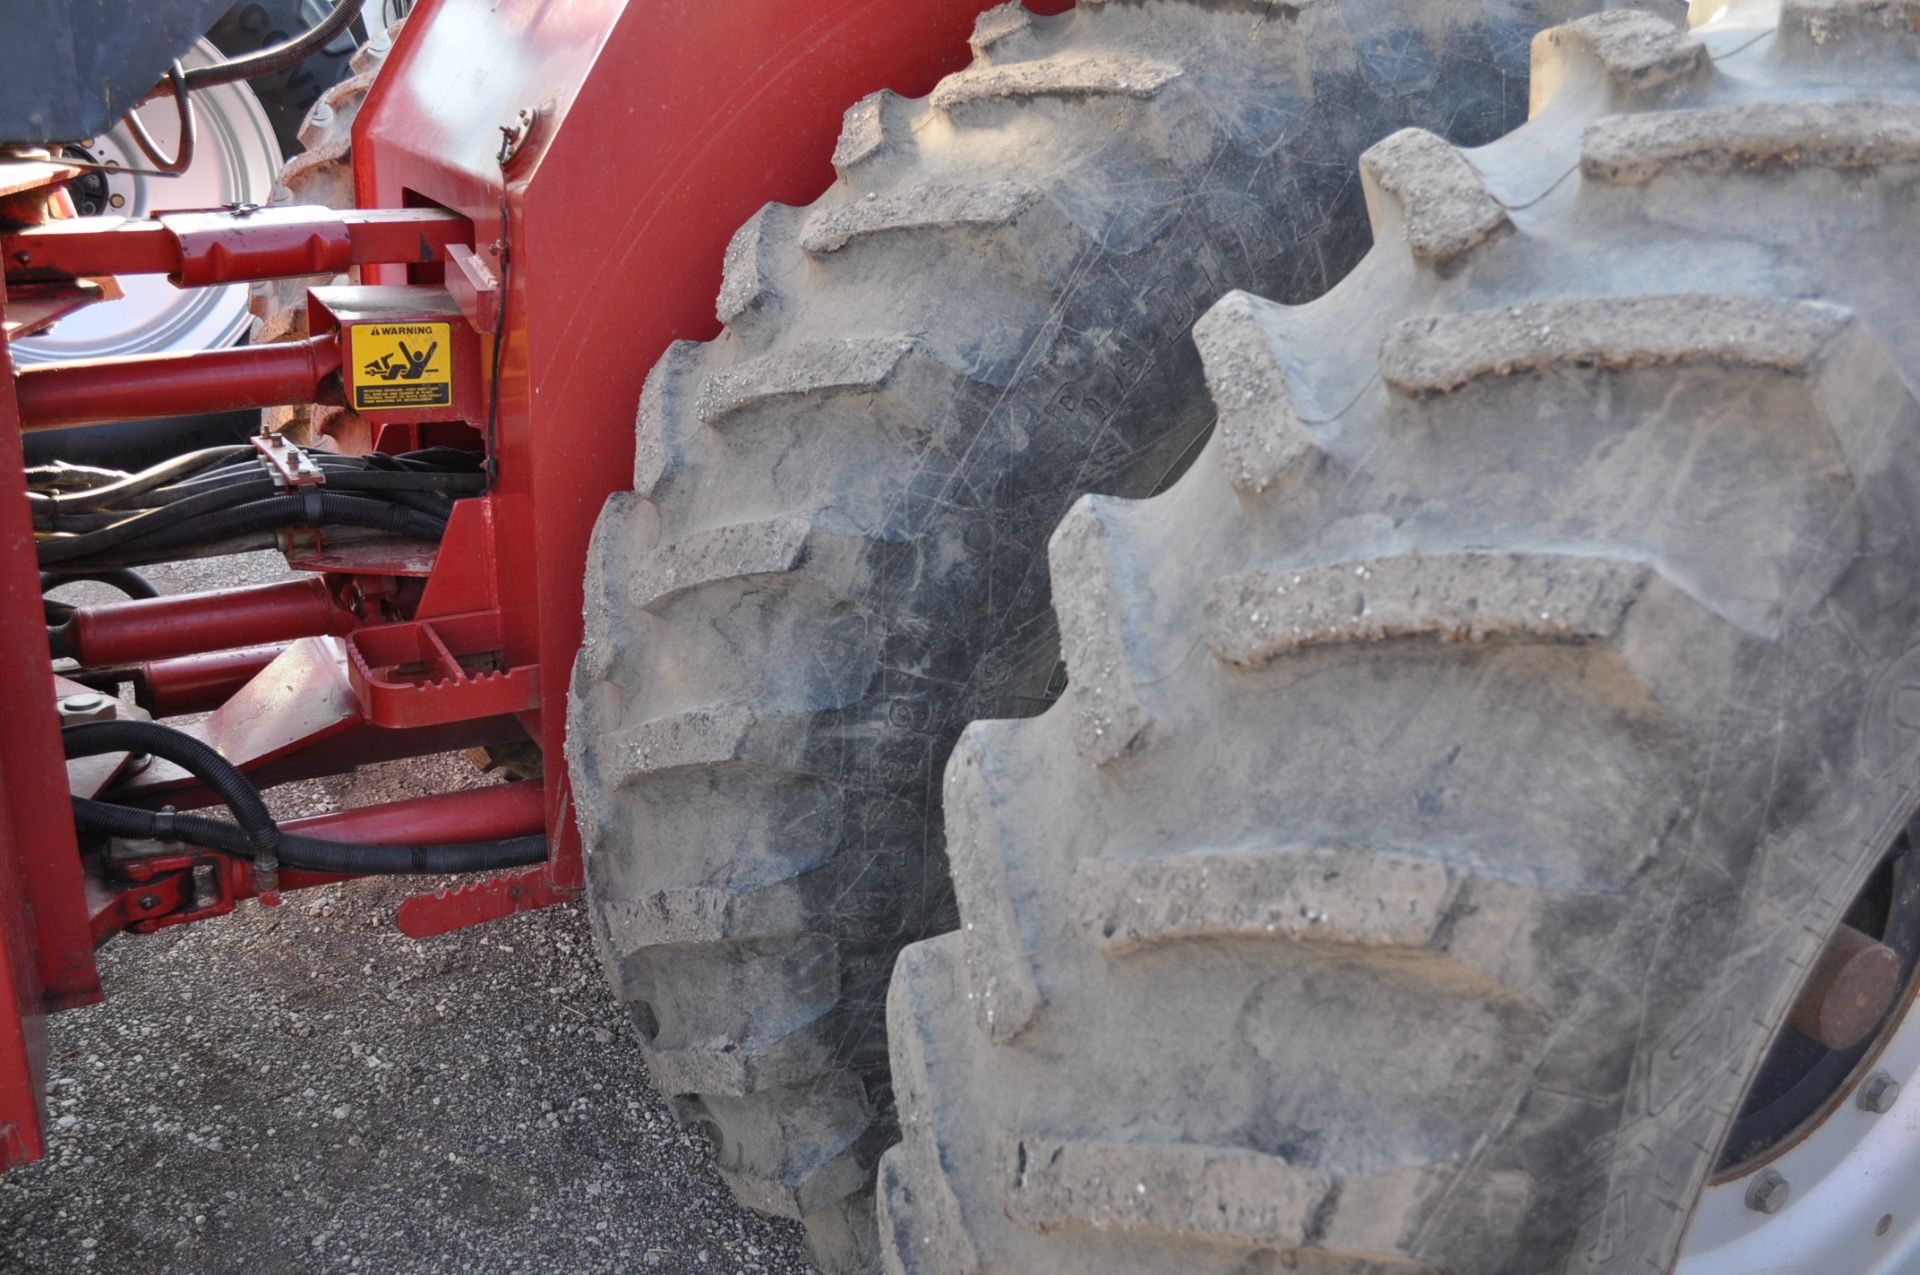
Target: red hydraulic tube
x=54, y=395
x=144, y=629
x=199, y=683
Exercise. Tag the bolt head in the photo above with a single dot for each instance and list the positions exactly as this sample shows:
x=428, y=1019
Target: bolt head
x=148, y=902
x=1768, y=1192
x=85, y=706
x=1879, y=1093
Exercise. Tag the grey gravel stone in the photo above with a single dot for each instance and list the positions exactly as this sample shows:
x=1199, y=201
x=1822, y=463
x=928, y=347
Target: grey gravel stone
x=306, y=1089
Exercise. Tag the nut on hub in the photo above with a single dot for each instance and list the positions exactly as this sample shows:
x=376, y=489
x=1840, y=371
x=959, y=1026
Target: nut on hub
x=1879, y=1093
x=1768, y=1192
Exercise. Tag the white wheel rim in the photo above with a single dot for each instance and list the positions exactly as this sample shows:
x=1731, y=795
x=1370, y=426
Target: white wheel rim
x=1854, y=1175
x=235, y=163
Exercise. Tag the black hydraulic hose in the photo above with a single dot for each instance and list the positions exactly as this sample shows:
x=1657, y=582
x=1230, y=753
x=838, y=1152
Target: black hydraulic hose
x=151, y=522
x=314, y=854
x=78, y=520
x=279, y=57
x=89, y=739
x=310, y=508
x=427, y=480
x=131, y=583
x=438, y=508
x=168, y=471
x=350, y=473
x=183, y=149
x=63, y=475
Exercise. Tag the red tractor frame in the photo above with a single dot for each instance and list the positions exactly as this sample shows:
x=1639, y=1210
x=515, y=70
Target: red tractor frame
x=550, y=188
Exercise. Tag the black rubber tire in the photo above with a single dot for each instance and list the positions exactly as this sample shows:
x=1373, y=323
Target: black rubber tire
x=1462, y=762
x=287, y=96
x=833, y=556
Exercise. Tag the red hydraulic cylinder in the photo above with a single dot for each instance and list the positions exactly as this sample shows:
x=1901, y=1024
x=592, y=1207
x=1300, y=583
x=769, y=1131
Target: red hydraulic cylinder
x=54, y=395
x=142, y=629
x=199, y=683
x=195, y=249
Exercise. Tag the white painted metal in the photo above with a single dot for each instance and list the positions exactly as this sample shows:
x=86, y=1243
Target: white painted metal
x=1855, y=1202
x=234, y=163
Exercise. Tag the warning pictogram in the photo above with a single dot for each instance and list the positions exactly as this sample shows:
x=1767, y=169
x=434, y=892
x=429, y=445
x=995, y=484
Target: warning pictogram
x=402, y=365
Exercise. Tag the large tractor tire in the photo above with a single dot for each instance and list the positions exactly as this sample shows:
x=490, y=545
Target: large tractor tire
x=833, y=556
x=322, y=173
x=1461, y=765
x=288, y=95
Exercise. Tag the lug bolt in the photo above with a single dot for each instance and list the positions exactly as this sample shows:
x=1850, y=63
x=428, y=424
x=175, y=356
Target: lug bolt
x=1879, y=1093
x=1768, y=1192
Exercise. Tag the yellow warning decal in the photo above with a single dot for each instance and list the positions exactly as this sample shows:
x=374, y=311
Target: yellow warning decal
x=402, y=365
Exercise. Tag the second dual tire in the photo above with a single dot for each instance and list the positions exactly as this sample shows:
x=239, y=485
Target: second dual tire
x=833, y=555
x=1464, y=763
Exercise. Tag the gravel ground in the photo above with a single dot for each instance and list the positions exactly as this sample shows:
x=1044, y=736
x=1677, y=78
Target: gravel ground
x=306, y=1089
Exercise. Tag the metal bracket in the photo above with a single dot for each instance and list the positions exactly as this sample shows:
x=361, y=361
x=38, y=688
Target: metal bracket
x=289, y=464
x=426, y=915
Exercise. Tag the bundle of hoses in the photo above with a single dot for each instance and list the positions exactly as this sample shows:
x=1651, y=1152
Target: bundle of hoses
x=254, y=835
x=221, y=500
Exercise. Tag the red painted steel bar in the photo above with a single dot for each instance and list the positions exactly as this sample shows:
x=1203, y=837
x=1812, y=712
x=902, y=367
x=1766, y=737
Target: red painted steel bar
x=198, y=683
x=200, y=248
x=54, y=395
x=142, y=629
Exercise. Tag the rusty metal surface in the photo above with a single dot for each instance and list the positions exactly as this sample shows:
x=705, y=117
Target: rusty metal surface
x=1848, y=991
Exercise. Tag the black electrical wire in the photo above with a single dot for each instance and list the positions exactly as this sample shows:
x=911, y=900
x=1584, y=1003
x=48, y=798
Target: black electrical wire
x=313, y=854
x=279, y=57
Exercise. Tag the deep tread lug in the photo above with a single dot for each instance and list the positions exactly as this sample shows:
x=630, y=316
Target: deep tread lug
x=1849, y=136
x=1441, y=355
x=1064, y=75
x=1110, y=714
x=1263, y=409
x=1254, y=618
x=1623, y=51
x=1422, y=188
